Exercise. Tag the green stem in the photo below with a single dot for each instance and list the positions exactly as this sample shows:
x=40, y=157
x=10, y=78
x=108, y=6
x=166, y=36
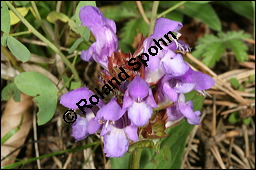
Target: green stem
x=171, y=9
x=46, y=41
x=20, y=33
x=79, y=148
x=135, y=158
x=36, y=10
x=153, y=17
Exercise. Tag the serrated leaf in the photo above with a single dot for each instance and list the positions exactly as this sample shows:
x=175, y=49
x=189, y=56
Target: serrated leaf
x=23, y=11
x=213, y=54
x=54, y=16
x=113, y=12
x=84, y=32
x=75, y=45
x=239, y=48
x=18, y=49
x=5, y=18
x=203, y=12
x=131, y=29
x=44, y=92
x=10, y=91
x=210, y=48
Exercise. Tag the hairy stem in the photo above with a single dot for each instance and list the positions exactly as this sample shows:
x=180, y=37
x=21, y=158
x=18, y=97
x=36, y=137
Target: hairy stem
x=171, y=9
x=153, y=17
x=135, y=158
x=46, y=41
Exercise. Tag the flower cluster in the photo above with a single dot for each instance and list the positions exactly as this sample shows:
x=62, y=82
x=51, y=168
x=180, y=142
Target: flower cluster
x=156, y=87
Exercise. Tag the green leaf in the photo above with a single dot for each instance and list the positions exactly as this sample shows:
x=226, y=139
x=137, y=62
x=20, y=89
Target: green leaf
x=234, y=117
x=203, y=12
x=175, y=16
x=23, y=11
x=172, y=147
x=4, y=39
x=234, y=82
x=45, y=92
x=210, y=47
x=12, y=132
x=239, y=48
x=131, y=29
x=10, y=91
x=113, y=12
x=201, y=2
x=243, y=8
x=5, y=18
x=75, y=85
x=121, y=162
x=54, y=16
x=247, y=120
x=75, y=45
x=84, y=32
x=18, y=49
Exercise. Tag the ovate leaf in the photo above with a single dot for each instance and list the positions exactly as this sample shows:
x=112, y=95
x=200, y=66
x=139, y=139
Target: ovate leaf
x=203, y=12
x=10, y=91
x=121, y=162
x=44, y=92
x=5, y=18
x=23, y=11
x=54, y=16
x=243, y=8
x=18, y=49
x=75, y=45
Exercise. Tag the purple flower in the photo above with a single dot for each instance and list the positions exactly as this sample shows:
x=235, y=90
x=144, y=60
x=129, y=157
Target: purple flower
x=80, y=127
x=183, y=109
x=139, y=100
x=118, y=135
x=104, y=31
x=108, y=114
x=191, y=80
x=70, y=99
x=161, y=38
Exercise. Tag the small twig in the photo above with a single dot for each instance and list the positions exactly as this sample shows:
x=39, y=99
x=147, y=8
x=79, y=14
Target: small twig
x=35, y=138
x=214, y=116
x=246, y=140
x=68, y=161
x=236, y=109
x=142, y=12
x=222, y=103
x=216, y=154
x=250, y=41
